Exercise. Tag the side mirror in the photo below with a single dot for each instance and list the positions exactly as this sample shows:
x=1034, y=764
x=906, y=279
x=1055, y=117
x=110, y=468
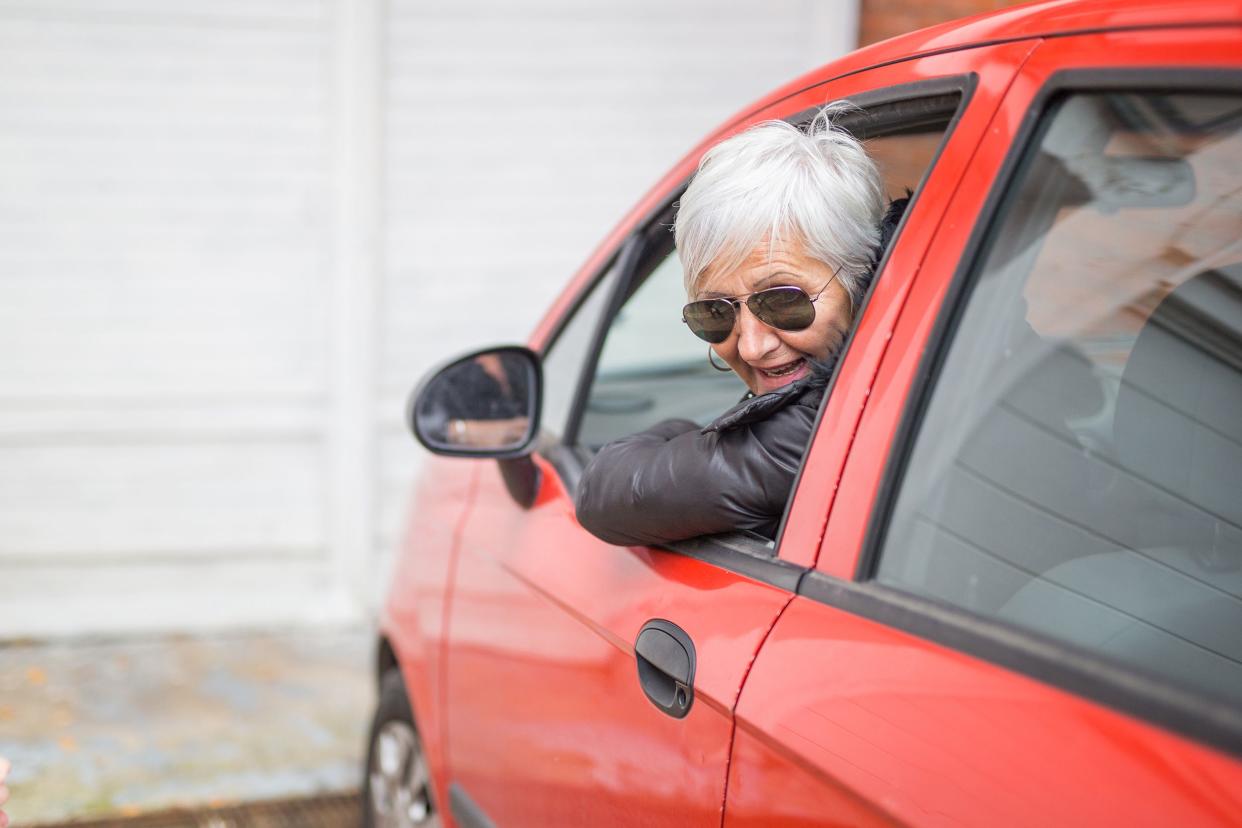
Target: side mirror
x=485, y=404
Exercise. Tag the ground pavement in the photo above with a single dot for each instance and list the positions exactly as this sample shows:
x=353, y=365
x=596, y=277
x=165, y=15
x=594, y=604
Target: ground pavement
x=126, y=727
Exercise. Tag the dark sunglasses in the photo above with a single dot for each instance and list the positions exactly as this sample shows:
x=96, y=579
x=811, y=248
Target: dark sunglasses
x=785, y=307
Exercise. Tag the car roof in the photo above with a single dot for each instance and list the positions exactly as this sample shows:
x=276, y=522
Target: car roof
x=1043, y=19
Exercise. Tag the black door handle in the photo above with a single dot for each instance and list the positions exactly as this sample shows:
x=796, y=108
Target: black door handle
x=665, y=656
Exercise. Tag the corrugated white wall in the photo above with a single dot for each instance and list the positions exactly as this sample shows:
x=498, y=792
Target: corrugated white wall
x=227, y=228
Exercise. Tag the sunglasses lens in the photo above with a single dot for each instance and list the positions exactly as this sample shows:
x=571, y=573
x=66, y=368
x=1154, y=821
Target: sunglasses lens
x=710, y=320
x=787, y=308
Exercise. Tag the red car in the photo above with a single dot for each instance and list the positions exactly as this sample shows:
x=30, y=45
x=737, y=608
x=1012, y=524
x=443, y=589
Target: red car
x=1007, y=588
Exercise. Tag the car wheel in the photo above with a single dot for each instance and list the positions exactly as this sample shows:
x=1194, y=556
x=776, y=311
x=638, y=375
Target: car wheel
x=397, y=787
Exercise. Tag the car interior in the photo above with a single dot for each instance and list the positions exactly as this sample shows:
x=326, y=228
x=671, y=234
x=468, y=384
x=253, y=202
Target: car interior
x=1084, y=479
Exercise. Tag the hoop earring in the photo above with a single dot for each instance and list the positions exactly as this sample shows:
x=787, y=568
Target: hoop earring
x=710, y=352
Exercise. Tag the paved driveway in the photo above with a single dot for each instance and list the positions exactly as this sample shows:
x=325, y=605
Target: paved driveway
x=124, y=727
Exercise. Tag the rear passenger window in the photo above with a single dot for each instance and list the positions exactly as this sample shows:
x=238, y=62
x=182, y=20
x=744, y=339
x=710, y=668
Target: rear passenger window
x=1078, y=470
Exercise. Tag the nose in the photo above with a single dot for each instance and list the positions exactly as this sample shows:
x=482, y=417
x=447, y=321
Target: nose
x=755, y=340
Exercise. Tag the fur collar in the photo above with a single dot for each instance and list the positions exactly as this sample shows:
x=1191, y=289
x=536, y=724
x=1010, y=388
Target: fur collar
x=806, y=391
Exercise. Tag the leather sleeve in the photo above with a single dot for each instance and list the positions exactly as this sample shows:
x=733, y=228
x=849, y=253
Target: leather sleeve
x=673, y=481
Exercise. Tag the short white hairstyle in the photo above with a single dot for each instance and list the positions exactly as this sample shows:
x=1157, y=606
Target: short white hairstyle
x=776, y=182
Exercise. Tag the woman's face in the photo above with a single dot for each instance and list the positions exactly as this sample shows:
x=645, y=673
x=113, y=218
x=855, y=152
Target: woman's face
x=768, y=358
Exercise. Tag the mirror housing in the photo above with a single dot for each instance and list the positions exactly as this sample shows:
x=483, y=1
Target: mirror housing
x=484, y=404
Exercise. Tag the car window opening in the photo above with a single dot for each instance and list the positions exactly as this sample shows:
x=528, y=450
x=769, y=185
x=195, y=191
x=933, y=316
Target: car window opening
x=650, y=370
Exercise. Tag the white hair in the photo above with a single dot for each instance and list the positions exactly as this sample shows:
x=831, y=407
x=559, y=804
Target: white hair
x=776, y=182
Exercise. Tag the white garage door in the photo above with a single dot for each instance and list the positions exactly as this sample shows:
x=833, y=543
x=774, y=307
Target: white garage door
x=221, y=222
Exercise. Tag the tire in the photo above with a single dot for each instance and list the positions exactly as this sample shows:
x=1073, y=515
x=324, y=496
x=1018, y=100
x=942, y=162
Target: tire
x=396, y=786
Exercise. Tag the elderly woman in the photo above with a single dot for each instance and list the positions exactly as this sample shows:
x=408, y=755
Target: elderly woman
x=778, y=235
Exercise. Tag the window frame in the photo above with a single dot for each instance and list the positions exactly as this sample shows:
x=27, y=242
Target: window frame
x=745, y=553
x=742, y=552
x=1087, y=674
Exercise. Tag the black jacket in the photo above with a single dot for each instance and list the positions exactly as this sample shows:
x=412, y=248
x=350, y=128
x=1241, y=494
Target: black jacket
x=675, y=481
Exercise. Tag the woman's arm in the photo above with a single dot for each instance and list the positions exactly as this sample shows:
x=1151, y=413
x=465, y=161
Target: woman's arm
x=673, y=482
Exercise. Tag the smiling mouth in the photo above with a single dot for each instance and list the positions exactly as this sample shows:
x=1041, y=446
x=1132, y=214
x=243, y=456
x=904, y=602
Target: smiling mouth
x=782, y=370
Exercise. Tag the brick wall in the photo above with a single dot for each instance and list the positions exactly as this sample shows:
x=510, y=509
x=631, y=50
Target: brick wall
x=880, y=19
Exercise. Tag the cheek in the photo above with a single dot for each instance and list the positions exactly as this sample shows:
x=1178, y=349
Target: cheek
x=727, y=351
x=821, y=339
x=827, y=334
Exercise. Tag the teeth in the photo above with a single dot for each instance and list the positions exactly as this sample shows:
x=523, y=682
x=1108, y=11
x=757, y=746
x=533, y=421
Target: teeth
x=780, y=372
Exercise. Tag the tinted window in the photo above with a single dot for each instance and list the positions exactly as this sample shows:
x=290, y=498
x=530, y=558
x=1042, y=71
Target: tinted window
x=1078, y=470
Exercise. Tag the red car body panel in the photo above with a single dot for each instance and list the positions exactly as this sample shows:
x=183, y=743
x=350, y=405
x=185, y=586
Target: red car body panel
x=1032, y=20
x=543, y=622
x=851, y=716
x=515, y=630
x=416, y=609
x=848, y=721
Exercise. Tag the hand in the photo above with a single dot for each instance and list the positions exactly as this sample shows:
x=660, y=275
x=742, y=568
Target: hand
x=4, y=790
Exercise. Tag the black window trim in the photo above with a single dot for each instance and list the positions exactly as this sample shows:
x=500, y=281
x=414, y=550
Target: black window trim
x=1086, y=674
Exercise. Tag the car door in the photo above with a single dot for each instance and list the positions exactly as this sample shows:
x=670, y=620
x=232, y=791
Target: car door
x=1025, y=604
x=547, y=721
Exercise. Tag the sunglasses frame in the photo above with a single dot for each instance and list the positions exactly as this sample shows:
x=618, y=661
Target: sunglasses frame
x=756, y=308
